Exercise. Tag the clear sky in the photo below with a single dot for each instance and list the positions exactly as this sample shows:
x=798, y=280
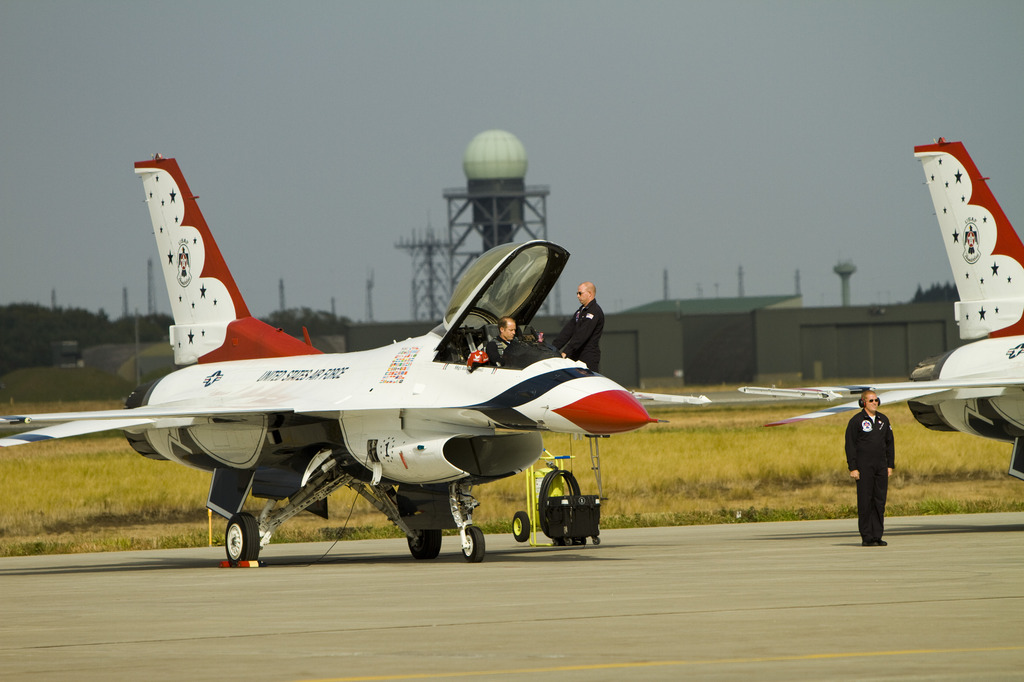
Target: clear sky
x=696, y=137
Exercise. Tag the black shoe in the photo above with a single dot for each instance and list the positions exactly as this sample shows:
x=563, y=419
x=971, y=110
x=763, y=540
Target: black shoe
x=881, y=543
x=869, y=543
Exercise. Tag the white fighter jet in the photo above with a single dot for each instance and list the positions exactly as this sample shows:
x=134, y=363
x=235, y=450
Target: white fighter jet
x=977, y=388
x=411, y=427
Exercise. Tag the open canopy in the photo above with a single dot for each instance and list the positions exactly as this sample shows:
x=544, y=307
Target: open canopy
x=511, y=279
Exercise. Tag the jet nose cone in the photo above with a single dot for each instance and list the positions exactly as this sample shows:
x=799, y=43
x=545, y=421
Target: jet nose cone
x=614, y=411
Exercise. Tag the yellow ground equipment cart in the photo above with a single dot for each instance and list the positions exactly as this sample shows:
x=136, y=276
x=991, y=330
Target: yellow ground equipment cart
x=555, y=506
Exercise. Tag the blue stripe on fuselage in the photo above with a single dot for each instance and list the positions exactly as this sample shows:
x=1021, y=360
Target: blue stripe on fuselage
x=533, y=388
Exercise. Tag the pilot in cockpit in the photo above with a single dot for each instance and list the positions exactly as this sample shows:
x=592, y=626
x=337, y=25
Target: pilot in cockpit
x=498, y=348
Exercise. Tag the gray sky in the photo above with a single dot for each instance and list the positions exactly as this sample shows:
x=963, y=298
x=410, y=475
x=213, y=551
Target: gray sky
x=693, y=136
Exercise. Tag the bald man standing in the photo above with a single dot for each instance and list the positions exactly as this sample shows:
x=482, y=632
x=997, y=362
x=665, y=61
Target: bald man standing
x=580, y=338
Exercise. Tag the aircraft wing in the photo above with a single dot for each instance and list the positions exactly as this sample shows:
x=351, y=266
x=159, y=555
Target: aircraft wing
x=672, y=398
x=148, y=413
x=73, y=428
x=885, y=397
x=888, y=393
x=68, y=424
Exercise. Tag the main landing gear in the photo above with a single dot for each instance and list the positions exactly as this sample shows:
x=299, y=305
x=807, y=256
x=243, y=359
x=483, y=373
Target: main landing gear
x=242, y=538
x=246, y=534
x=426, y=544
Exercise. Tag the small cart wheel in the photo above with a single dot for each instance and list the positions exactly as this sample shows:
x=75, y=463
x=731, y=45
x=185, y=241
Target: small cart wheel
x=597, y=540
x=521, y=526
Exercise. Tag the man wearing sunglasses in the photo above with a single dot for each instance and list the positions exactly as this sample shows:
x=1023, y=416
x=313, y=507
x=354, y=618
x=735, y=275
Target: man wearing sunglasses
x=870, y=456
x=581, y=336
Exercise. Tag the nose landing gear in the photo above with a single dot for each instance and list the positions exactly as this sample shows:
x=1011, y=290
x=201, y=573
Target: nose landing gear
x=463, y=504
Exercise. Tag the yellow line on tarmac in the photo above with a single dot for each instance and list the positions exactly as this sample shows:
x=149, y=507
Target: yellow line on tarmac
x=663, y=664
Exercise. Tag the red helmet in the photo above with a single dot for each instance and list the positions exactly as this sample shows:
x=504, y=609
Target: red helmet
x=476, y=358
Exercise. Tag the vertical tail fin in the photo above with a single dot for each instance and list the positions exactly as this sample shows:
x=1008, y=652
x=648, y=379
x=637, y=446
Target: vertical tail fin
x=984, y=251
x=211, y=321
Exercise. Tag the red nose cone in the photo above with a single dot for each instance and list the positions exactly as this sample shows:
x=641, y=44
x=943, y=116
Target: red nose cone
x=607, y=412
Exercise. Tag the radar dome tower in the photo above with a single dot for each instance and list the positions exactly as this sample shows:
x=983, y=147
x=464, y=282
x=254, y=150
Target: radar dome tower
x=502, y=205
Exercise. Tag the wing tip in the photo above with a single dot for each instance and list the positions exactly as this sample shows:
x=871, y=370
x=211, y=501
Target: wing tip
x=791, y=420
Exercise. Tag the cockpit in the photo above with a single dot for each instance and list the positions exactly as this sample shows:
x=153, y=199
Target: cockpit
x=512, y=280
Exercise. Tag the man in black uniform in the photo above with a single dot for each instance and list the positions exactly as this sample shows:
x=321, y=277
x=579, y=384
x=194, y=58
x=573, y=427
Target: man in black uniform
x=870, y=456
x=581, y=336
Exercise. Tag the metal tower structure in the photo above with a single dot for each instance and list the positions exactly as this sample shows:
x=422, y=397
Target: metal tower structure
x=150, y=291
x=430, y=279
x=369, y=298
x=496, y=206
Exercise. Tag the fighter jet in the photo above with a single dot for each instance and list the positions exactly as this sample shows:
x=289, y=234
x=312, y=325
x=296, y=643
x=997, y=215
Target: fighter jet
x=977, y=388
x=411, y=427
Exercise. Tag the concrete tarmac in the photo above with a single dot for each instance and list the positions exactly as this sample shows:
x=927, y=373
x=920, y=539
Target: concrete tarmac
x=767, y=601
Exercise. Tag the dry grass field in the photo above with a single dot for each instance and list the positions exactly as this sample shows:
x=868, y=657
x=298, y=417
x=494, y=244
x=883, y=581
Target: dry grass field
x=709, y=464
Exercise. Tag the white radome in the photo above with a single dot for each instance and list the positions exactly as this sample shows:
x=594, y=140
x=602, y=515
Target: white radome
x=493, y=155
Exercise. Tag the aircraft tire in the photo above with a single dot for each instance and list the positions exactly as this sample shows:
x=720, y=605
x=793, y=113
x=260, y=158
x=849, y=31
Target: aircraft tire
x=242, y=538
x=521, y=526
x=475, y=552
x=425, y=544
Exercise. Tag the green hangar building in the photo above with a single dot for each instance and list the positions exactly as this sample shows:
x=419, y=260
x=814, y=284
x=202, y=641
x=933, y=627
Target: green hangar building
x=750, y=339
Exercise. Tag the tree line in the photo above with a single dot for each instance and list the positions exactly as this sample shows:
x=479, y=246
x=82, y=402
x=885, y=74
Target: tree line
x=936, y=292
x=28, y=330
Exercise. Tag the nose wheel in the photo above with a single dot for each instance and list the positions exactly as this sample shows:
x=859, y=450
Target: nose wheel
x=473, y=545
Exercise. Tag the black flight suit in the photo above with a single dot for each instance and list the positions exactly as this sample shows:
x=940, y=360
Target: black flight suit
x=496, y=350
x=581, y=335
x=870, y=450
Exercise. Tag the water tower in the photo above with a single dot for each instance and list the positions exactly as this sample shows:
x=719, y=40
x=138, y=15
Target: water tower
x=845, y=269
x=496, y=207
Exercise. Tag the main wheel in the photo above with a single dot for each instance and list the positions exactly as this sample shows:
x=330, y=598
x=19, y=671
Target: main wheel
x=521, y=526
x=425, y=544
x=475, y=552
x=242, y=538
